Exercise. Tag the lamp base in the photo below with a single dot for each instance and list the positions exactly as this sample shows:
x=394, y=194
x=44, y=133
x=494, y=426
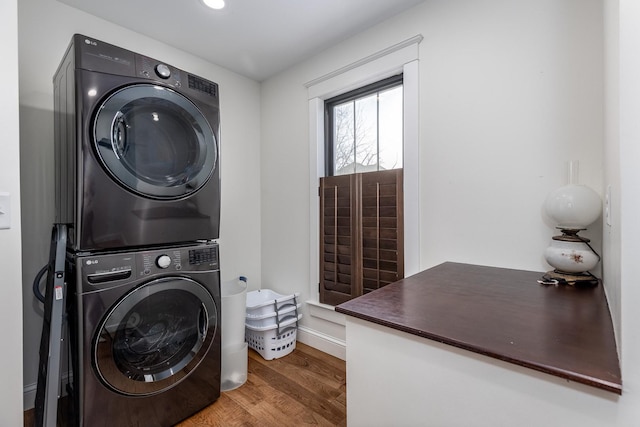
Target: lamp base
x=584, y=280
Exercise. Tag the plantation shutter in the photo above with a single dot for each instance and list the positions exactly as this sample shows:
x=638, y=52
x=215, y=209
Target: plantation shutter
x=382, y=228
x=338, y=242
x=361, y=234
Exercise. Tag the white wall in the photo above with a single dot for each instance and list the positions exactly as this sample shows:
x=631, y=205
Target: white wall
x=509, y=92
x=629, y=132
x=10, y=303
x=45, y=29
x=621, y=239
x=611, y=236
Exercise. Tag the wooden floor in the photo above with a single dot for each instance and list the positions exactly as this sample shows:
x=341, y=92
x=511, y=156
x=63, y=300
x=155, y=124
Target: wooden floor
x=306, y=387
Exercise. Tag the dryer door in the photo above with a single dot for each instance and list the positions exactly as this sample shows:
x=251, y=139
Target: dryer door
x=154, y=141
x=154, y=336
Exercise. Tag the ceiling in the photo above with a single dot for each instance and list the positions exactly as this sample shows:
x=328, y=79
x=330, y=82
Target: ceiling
x=255, y=38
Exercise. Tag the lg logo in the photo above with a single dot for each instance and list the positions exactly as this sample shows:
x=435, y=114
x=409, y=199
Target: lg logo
x=91, y=42
x=92, y=261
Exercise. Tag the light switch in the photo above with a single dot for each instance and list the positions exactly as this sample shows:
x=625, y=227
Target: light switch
x=607, y=206
x=5, y=210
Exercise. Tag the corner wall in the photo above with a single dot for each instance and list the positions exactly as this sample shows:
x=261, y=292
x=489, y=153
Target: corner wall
x=611, y=233
x=10, y=262
x=629, y=104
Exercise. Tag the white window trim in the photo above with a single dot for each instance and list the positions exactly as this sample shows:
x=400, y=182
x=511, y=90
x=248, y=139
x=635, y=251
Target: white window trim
x=402, y=57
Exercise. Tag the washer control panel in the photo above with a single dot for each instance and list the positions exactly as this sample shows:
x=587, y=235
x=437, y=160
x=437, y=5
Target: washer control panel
x=163, y=71
x=163, y=261
x=99, y=271
x=105, y=269
x=204, y=256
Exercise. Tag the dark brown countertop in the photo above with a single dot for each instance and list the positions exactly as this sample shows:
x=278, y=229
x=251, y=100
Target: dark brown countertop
x=505, y=314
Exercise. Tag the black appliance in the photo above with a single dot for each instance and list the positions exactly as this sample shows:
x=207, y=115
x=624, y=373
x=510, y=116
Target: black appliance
x=137, y=150
x=146, y=335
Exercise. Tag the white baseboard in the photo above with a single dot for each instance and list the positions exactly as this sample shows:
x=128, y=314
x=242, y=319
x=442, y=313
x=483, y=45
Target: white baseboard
x=322, y=342
x=325, y=312
x=29, y=396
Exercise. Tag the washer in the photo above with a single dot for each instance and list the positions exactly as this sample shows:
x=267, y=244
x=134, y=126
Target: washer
x=145, y=335
x=137, y=150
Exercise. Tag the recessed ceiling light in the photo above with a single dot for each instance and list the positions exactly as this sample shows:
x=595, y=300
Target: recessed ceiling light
x=214, y=4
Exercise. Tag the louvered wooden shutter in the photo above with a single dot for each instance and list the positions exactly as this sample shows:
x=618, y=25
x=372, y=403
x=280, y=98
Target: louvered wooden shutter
x=361, y=234
x=381, y=223
x=338, y=244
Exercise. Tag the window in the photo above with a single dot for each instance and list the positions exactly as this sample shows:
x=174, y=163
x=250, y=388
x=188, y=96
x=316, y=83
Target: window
x=361, y=197
x=402, y=57
x=364, y=129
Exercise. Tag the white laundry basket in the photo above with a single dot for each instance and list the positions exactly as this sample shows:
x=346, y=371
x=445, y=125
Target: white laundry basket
x=271, y=323
x=266, y=301
x=270, y=319
x=273, y=341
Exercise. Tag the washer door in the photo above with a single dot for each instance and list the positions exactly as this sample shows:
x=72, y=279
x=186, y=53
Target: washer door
x=155, y=336
x=154, y=141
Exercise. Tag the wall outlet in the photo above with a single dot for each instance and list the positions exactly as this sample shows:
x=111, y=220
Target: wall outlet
x=5, y=210
x=607, y=206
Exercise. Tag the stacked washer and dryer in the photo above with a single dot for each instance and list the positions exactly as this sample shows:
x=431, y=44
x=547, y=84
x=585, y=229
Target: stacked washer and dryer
x=138, y=186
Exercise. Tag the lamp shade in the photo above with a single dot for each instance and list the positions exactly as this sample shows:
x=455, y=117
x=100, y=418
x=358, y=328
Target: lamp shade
x=573, y=206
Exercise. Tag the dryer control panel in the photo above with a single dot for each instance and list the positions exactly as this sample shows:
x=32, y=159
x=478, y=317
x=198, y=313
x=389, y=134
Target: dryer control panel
x=153, y=69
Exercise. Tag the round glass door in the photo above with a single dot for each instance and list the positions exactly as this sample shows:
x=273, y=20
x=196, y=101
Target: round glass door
x=155, y=336
x=154, y=141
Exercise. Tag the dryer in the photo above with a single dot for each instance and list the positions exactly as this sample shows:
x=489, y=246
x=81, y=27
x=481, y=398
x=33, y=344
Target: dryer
x=137, y=150
x=146, y=335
